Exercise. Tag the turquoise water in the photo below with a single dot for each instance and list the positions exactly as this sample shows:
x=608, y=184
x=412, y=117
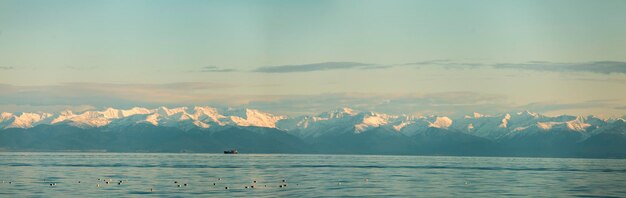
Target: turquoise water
x=30, y=174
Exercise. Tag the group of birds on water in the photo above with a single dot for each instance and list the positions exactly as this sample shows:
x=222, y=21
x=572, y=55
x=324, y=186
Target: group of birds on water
x=282, y=184
x=253, y=185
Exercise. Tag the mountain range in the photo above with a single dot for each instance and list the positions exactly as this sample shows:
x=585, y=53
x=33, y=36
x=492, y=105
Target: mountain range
x=341, y=131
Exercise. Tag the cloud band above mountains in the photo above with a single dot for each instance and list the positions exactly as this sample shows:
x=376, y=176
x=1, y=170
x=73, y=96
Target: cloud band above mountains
x=599, y=67
x=316, y=67
x=602, y=67
x=216, y=69
x=59, y=97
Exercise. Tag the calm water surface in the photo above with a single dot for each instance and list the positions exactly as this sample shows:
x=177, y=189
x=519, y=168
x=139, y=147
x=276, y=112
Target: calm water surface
x=31, y=174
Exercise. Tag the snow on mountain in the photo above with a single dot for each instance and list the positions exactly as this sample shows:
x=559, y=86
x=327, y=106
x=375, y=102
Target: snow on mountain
x=417, y=124
x=368, y=120
x=617, y=126
x=5, y=117
x=342, y=120
x=251, y=117
x=505, y=121
x=134, y=111
x=574, y=125
x=487, y=126
x=181, y=117
x=441, y=122
x=500, y=125
x=22, y=120
x=346, y=120
x=475, y=115
x=338, y=113
x=207, y=114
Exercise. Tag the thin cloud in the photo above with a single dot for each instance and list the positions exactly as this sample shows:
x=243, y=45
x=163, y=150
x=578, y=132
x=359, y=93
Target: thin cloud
x=100, y=95
x=110, y=94
x=444, y=103
x=216, y=69
x=44, y=108
x=317, y=67
x=609, y=79
x=599, y=67
x=179, y=86
x=6, y=67
x=377, y=67
x=446, y=64
x=621, y=108
x=430, y=62
x=150, y=95
x=555, y=106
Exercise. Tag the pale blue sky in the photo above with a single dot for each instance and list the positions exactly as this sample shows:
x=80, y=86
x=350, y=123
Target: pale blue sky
x=213, y=50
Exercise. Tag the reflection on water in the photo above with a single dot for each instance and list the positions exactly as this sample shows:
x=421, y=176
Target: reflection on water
x=30, y=174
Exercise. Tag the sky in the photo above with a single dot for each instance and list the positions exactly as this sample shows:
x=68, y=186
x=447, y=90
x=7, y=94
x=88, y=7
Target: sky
x=445, y=57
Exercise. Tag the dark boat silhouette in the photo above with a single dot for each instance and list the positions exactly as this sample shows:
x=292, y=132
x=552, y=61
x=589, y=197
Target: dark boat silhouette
x=231, y=152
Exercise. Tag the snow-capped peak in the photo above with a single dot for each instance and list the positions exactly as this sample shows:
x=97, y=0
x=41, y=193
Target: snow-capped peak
x=347, y=111
x=135, y=111
x=573, y=125
x=441, y=122
x=25, y=120
x=505, y=121
x=5, y=115
x=577, y=125
x=168, y=112
x=207, y=114
x=477, y=115
x=527, y=113
x=257, y=118
x=111, y=113
x=372, y=119
x=203, y=117
x=339, y=120
x=339, y=113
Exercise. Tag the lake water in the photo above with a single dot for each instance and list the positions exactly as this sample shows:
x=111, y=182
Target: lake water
x=30, y=174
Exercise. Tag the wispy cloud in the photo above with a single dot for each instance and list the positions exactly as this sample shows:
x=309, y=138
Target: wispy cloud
x=558, y=106
x=151, y=95
x=44, y=108
x=608, y=79
x=179, y=86
x=317, y=67
x=100, y=95
x=6, y=67
x=602, y=67
x=621, y=107
x=216, y=69
x=111, y=94
x=441, y=103
x=599, y=67
x=448, y=103
x=430, y=62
